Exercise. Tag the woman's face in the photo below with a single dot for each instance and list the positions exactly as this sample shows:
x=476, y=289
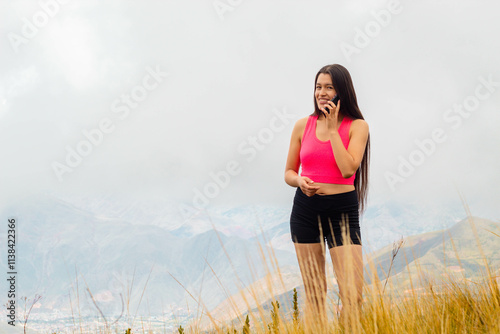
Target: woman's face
x=324, y=89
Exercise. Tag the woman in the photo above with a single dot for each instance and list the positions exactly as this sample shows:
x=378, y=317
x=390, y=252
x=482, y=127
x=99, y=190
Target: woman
x=332, y=145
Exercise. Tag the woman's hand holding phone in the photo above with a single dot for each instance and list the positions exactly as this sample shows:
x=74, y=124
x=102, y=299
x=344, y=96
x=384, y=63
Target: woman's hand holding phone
x=332, y=118
x=334, y=101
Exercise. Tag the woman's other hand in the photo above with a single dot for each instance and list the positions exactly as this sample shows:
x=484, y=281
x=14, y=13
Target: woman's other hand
x=307, y=186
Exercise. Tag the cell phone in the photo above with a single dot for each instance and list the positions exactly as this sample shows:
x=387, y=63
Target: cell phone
x=334, y=100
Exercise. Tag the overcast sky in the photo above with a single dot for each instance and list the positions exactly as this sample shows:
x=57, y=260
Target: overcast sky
x=158, y=98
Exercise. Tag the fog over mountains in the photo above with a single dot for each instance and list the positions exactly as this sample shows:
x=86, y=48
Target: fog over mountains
x=117, y=245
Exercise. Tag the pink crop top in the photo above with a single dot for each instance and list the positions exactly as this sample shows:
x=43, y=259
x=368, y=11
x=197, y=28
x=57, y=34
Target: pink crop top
x=316, y=156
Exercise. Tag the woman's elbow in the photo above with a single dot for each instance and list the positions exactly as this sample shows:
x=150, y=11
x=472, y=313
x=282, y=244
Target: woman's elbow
x=348, y=174
x=350, y=171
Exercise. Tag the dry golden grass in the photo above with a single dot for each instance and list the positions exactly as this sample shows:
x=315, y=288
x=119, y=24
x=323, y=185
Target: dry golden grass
x=452, y=304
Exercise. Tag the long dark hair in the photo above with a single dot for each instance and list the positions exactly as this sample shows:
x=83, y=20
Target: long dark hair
x=342, y=82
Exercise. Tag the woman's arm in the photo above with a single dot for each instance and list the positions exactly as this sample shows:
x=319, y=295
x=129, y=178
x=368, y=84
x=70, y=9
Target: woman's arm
x=293, y=161
x=349, y=160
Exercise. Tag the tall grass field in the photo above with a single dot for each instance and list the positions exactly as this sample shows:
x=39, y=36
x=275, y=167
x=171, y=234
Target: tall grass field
x=438, y=282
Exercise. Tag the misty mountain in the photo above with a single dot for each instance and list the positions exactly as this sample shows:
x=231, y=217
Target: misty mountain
x=57, y=240
x=181, y=258
x=462, y=249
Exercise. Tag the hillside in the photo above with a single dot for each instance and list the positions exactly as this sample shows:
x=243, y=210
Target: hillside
x=461, y=249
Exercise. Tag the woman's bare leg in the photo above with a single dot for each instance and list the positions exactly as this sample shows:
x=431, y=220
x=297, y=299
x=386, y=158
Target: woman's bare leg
x=348, y=265
x=311, y=259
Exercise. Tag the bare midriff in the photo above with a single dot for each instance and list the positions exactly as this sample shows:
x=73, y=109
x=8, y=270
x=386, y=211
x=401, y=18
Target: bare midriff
x=331, y=188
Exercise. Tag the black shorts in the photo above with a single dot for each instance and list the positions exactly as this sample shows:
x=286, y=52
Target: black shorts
x=335, y=213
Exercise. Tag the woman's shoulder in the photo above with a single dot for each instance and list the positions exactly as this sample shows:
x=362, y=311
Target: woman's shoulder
x=359, y=125
x=301, y=122
x=300, y=126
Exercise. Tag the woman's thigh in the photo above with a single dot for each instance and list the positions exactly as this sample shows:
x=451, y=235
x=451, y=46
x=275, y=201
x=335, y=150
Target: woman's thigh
x=311, y=258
